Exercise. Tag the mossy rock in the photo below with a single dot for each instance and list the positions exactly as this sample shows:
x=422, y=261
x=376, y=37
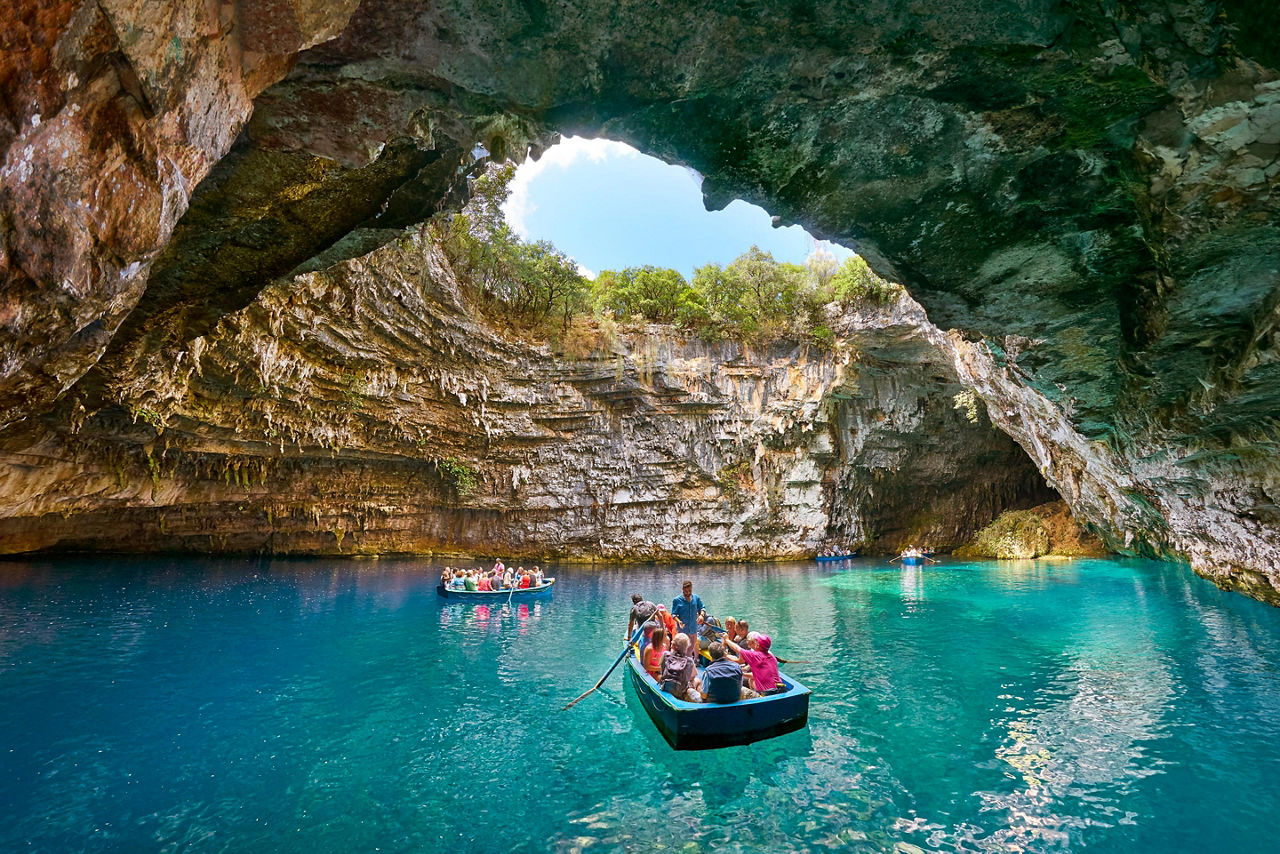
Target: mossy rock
x=1045, y=531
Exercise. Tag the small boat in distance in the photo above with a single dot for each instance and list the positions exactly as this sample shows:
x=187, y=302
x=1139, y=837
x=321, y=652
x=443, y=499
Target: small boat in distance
x=701, y=726
x=833, y=554
x=518, y=594
x=911, y=557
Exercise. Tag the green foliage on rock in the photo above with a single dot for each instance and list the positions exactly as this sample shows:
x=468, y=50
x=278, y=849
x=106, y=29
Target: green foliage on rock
x=459, y=476
x=753, y=298
x=519, y=284
x=854, y=284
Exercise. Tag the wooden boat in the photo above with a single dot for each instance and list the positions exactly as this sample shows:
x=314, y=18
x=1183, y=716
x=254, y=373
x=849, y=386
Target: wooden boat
x=700, y=726
x=497, y=597
x=829, y=558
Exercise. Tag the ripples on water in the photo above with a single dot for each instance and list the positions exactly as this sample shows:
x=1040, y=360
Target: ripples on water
x=338, y=706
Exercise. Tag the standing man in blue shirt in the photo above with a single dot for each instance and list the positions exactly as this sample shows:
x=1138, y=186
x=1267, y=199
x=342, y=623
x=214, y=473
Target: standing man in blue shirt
x=685, y=609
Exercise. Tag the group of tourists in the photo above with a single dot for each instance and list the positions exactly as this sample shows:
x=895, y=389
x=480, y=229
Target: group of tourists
x=836, y=551
x=491, y=580
x=740, y=665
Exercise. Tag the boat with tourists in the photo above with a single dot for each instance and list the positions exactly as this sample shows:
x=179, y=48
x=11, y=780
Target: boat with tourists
x=515, y=594
x=701, y=726
x=912, y=557
x=833, y=558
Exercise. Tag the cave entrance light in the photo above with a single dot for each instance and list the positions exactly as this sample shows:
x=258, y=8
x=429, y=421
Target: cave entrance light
x=609, y=207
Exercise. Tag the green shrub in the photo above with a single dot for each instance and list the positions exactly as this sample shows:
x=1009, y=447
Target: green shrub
x=459, y=476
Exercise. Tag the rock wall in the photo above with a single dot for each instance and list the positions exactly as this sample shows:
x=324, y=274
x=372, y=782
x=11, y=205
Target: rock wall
x=364, y=408
x=1083, y=193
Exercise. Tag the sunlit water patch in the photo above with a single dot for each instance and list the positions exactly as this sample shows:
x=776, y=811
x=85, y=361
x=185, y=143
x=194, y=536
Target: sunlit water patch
x=316, y=706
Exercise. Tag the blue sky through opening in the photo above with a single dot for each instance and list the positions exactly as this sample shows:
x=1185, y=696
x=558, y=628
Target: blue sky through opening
x=609, y=206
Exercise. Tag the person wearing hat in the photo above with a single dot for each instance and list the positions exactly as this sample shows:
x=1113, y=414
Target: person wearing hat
x=764, y=667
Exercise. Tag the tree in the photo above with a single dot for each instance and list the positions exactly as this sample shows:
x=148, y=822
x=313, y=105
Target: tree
x=654, y=293
x=771, y=290
x=854, y=282
x=822, y=266
x=522, y=283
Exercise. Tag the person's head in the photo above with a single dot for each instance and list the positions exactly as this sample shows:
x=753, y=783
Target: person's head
x=731, y=626
x=648, y=629
x=743, y=629
x=688, y=589
x=752, y=640
x=659, y=639
x=520, y=569
x=702, y=617
x=636, y=598
x=763, y=642
x=717, y=651
x=680, y=644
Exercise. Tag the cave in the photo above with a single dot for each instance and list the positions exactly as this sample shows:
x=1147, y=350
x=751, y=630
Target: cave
x=218, y=250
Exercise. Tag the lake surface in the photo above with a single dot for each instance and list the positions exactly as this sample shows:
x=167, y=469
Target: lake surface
x=195, y=705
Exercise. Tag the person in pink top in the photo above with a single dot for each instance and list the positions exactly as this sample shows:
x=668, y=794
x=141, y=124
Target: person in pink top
x=484, y=583
x=764, y=667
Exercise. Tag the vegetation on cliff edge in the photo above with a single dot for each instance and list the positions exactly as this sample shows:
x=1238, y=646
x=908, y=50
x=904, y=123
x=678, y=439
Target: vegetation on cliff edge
x=536, y=290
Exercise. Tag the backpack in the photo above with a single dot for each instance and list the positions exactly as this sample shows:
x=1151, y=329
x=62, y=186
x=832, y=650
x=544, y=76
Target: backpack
x=677, y=672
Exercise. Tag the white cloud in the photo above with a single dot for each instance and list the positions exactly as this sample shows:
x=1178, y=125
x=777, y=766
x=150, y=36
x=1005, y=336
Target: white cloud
x=520, y=207
x=585, y=272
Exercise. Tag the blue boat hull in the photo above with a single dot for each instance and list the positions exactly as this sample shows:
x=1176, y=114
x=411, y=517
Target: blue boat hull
x=830, y=558
x=702, y=726
x=497, y=597
x=912, y=561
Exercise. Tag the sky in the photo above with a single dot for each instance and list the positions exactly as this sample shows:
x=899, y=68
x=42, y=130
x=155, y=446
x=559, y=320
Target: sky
x=608, y=206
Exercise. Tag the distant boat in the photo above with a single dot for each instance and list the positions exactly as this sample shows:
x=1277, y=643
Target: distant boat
x=911, y=558
x=700, y=726
x=498, y=596
x=830, y=558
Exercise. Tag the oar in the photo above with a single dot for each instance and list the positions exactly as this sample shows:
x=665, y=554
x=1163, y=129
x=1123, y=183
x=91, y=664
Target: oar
x=635, y=637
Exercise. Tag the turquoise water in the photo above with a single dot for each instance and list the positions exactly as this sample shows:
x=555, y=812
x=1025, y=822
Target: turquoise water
x=290, y=706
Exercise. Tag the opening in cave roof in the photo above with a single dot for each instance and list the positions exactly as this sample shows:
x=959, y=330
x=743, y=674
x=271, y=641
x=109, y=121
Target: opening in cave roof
x=609, y=206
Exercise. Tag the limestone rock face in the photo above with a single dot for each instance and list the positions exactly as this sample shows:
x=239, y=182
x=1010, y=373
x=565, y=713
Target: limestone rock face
x=113, y=112
x=1083, y=194
x=363, y=408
